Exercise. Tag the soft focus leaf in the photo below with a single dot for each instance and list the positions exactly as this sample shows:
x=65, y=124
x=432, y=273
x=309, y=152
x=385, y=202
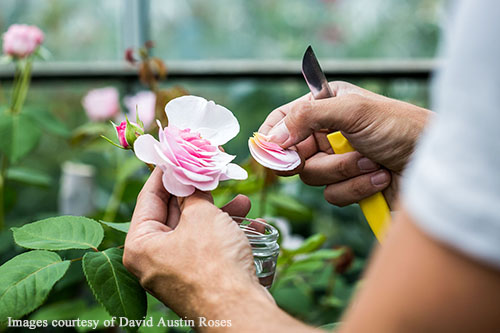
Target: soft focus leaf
x=29, y=176
x=94, y=313
x=47, y=120
x=26, y=280
x=60, y=233
x=123, y=226
x=61, y=310
x=294, y=300
x=310, y=244
x=20, y=134
x=113, y=286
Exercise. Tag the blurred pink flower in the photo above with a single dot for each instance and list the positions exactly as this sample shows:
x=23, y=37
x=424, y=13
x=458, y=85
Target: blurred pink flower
x=145, y=102
x=21, y=40
x=188, y=151
x=101, y=104
x=271, y=155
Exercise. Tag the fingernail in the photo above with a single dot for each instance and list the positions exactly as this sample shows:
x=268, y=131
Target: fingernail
x=279, y=133
x=365, y=164
x=380, y=178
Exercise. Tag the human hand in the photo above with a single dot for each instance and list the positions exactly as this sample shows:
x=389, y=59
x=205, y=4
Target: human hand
x=190, y=254
x=382, y=130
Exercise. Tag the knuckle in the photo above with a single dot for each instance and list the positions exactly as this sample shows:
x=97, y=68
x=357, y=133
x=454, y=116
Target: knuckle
x=330, y=196
x=302, y=111
x=343, y=167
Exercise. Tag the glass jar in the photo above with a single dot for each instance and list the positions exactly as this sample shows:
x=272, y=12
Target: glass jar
x=263, y=239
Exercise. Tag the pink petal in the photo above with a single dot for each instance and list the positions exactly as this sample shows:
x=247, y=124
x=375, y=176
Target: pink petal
x=144, y=148
x=173, y=186
x=283, y=161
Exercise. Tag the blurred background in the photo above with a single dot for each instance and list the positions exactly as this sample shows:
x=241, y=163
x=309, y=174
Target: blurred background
x=242, y=54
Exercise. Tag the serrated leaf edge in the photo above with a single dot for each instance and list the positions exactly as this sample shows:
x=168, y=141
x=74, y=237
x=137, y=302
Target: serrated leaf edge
x=116, y=282
x=43, y=301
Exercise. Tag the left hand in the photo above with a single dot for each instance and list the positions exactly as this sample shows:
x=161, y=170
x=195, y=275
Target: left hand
x=190, y=254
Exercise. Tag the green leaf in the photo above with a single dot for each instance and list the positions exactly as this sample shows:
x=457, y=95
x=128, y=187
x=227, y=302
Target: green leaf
x=113, y=286
x=60, y=233
x=310, y=244
x=20, y=135
x=94, y=313
x=26, y=280
x=123, y=226
x=47, y=120
x=29, y=176
x=61, y=310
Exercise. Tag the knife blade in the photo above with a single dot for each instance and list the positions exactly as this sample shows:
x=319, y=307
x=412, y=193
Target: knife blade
x=375, y=208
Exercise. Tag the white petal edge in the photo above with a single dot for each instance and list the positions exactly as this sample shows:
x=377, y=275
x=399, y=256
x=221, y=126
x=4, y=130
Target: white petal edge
x=144, y=148
x=214, y=122
x=266, y=163
x=234, y=171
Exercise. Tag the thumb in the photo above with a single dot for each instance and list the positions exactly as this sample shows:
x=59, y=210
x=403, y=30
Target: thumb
x=304, y=117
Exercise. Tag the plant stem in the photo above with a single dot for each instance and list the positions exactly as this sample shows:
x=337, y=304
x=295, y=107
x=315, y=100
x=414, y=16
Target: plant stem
x=23, y=87
x=114, y=200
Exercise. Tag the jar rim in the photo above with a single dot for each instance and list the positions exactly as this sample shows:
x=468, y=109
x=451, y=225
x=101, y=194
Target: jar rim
x=254, y=235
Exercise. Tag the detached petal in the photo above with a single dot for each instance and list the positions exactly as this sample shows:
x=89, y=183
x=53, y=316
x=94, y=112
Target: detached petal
x=272, y=157
x=214, y=122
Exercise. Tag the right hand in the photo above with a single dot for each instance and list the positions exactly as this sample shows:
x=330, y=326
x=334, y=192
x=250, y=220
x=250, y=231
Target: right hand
x=381, y=129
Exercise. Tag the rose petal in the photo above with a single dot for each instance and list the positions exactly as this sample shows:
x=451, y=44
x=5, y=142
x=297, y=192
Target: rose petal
x=173, y=186
x=214, y=122
x=234, y=171
x=144, y=148
x=284, y=161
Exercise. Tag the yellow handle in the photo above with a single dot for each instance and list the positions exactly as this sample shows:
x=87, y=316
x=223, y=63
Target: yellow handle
x=375, y=208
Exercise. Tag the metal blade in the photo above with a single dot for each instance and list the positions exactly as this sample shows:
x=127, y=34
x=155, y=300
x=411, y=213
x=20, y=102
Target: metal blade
x=315, y=78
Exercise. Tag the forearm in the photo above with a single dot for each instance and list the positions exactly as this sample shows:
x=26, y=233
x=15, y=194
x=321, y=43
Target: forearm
x=416, y=284
x=249, y=310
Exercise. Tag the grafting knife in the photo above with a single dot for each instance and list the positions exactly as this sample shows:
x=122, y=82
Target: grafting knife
x=375, y=208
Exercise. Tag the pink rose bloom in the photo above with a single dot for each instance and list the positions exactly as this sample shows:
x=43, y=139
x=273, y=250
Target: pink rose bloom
x=21, y=40
x=101, y=104
x=271, y=155
x=145, y=102
x=188, y=151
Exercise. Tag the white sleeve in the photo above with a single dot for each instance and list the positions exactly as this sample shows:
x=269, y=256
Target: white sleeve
x=452, y=188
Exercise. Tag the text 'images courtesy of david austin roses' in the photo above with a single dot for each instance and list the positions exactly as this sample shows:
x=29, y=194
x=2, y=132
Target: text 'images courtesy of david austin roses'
x=120, y=322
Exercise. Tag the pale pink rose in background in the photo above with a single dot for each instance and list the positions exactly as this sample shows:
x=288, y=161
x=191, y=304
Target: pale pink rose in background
x=271, y=155
x=188, y=151
x=145, y=102
x=101, y=104
x=21, y=40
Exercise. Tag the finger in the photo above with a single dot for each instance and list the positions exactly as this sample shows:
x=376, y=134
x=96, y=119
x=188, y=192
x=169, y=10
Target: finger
x=324, y=169
x=307, y=116
x=239, y=206
x=152, y=202
x=279, y=113
x=357, y=188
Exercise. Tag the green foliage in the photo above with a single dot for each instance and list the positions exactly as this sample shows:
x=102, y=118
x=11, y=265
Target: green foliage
x=113, y=286
x=61, y=310
x=26, y=280
x=28, y=176
x=46, y=120
x=123, y=226
x=20, y=135
x=60, y=233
